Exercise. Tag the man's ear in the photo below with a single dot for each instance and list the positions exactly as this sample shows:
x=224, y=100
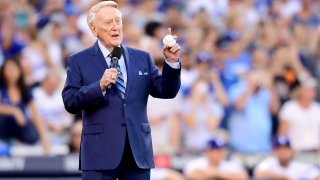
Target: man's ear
x=93, y=30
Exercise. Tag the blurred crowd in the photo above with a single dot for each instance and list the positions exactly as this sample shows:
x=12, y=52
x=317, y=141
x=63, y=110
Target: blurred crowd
x=250, y=72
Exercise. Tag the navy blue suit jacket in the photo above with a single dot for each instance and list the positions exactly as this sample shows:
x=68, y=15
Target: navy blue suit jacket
x=106, y=119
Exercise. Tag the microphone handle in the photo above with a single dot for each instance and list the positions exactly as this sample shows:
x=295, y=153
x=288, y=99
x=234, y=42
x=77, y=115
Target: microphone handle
x=114, y=64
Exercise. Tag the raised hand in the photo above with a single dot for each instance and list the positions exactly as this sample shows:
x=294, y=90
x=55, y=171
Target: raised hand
x=171, y=53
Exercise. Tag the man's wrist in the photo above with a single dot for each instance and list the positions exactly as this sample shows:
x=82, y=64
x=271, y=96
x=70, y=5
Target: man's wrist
x=103, y=89
x=175, y=65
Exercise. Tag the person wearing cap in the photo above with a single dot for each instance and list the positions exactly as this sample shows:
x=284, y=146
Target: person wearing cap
x=300, y=118
x=205, y=69
x=201, y=115
x=214, y=165
x=282, y=165
x=203, y=63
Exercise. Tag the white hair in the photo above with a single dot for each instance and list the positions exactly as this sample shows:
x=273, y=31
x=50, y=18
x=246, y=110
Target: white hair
x=96, y=8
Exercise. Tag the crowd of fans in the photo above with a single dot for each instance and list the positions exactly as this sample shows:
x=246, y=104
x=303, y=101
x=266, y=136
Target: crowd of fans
x=250, y=72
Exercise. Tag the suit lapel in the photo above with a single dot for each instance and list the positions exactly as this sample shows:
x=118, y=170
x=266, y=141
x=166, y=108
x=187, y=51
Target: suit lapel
x=102, y=65
x=130, y=73
x=98, y=58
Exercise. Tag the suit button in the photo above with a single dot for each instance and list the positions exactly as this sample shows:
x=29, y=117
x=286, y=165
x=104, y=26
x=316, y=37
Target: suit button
x=124, y=105
x=123, y=124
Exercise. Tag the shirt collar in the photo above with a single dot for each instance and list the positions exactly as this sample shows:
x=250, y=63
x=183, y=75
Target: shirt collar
x=103, y=49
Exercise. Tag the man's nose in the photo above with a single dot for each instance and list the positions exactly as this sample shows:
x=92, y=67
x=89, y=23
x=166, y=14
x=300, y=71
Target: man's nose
x=115, y=26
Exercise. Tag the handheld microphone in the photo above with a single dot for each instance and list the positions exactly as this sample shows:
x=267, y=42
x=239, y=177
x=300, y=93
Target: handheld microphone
x=116, y=54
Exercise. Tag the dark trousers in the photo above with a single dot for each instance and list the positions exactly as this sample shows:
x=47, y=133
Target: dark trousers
x=127, y=169
x=10, y=129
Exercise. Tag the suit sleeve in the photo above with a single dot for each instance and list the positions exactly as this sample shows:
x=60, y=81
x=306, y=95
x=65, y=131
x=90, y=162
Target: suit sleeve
x=76, y=96
x=167, y=85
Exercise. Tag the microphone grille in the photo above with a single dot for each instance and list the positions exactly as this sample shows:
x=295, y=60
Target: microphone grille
x=116, y=52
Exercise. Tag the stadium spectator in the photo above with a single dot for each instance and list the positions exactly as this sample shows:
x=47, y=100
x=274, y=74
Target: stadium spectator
x=299, y=118
x=250, y=122
x=52, y=37
x=260, y=63
x=36, y=60
x=192, y=40
x=193, y=70
x=203, y=66
x=75, y=140
x=305, y=16
x=163, y=118
x=133, y=36
x=188, y=73
x=11, y=46
x=246, y=11
x=286, y=69
x=214, y=165
x=201, y=115
x=236, y=59
x=282, y=164
x=285, y=8
x=49, y=102
x=19, y=116
x=146, y=11
x=152, y=41
x=216, y=10
x=71, y=39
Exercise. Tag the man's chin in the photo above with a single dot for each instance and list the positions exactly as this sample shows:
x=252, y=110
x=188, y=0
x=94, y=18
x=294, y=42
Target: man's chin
x=116, y=44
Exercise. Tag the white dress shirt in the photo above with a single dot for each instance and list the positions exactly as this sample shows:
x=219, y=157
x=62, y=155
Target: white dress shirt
x=121, y=62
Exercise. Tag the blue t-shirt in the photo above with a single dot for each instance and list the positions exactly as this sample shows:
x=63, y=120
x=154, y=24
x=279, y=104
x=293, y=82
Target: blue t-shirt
x=250, y=128
x=15, y=49
x=232, y=69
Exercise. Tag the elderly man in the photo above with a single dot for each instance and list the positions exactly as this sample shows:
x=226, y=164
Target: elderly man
x=299, y=118
x=116, y=139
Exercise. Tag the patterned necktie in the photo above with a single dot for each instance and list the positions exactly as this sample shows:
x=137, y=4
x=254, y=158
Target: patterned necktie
x=119, y=81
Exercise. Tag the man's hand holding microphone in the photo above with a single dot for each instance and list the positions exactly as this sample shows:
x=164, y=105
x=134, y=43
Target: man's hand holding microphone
x=110, y=74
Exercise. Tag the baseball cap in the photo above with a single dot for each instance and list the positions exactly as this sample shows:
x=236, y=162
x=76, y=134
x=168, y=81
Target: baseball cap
x=233, y=35
x=71, y=10
x=204, y=57
x=215, y=143
x=281, y=141
x=223, y=42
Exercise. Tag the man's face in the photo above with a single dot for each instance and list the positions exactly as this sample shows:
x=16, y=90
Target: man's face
x=308, y=93
x=215, y=156
x=108, y=27
x=284, y=154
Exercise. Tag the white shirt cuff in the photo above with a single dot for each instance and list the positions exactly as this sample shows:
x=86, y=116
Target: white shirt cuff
x=174, y=65
x=104, y=92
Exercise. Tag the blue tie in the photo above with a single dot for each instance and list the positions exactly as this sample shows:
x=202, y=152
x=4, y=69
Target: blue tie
x=120, y=81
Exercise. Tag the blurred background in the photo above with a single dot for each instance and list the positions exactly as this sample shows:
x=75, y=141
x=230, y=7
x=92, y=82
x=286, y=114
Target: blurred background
x=250, y=72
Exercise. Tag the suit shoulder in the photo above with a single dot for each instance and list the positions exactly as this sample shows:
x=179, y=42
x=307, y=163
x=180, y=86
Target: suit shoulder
x=137, y=51
x=81, y=54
